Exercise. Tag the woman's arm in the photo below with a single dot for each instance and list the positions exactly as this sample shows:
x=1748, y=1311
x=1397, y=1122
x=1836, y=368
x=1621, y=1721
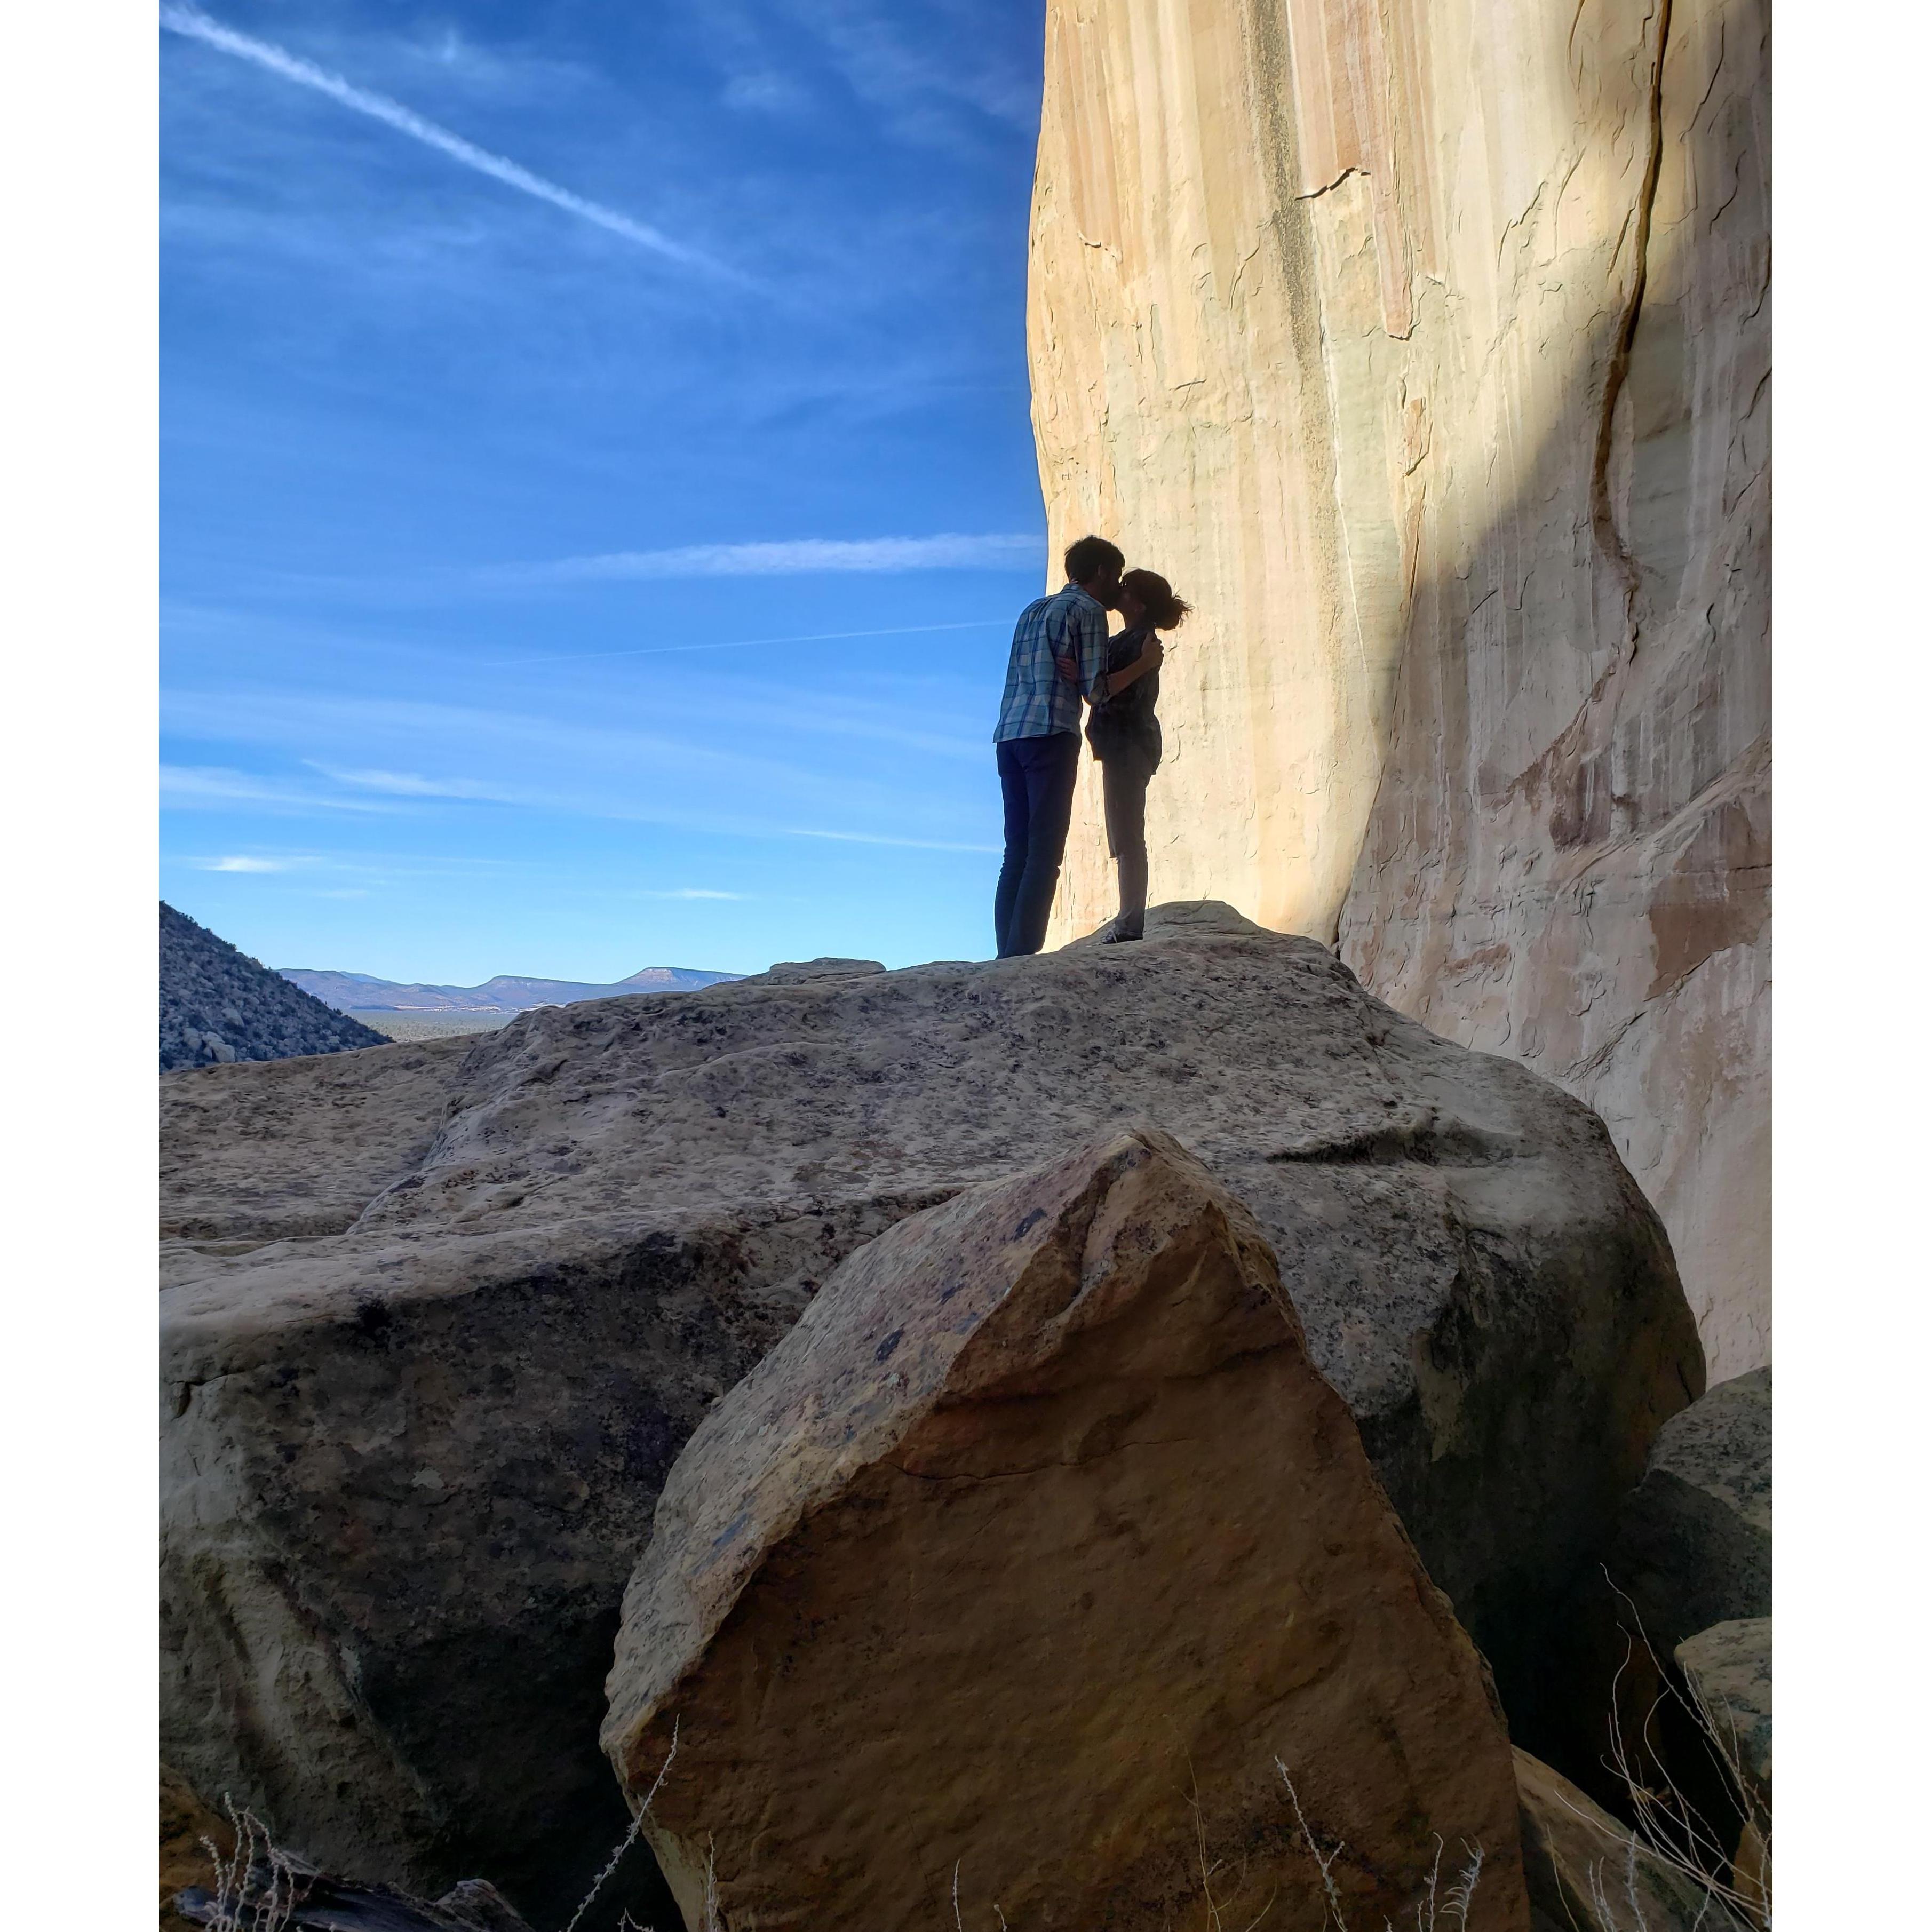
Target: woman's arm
x=1149, y=659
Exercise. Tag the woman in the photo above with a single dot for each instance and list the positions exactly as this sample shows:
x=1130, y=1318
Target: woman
x=1125, y=735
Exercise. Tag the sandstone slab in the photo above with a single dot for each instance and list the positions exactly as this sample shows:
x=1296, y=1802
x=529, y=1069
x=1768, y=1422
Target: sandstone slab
x=1425, y=346
x=440, y=1318
x=1027, y=1554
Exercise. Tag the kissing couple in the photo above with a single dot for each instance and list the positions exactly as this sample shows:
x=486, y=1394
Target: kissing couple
x=1062, y=656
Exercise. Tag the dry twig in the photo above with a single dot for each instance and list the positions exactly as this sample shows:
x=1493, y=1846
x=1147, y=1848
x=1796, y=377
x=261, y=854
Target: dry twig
x=629, y=1838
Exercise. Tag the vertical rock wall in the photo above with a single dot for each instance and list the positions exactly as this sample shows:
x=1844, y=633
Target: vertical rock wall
x=1425, y=345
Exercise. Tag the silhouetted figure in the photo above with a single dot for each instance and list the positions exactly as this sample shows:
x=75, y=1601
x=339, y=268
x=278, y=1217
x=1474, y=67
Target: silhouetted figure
x=1125, y=735
x=1059, y=657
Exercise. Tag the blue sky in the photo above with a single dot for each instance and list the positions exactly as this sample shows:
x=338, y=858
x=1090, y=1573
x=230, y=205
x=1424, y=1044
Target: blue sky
x=526, y=369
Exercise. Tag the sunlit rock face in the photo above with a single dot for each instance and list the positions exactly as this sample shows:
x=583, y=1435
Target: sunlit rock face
x=1426, y=346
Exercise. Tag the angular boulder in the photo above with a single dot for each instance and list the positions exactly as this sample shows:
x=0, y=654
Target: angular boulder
x=1585, y=1869
x=1694, y=1546
x=440, y=1316
x=1028, y=1555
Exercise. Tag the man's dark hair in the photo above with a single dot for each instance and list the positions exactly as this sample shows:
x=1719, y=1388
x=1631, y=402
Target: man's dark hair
x=1087, y=558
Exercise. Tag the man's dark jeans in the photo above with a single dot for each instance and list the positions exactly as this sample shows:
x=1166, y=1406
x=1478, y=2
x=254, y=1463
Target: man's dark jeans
x=1036, y=778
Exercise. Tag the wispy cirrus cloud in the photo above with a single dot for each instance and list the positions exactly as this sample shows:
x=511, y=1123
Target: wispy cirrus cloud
x=410, y=784
x=883, y=838
x=216, y=787
x=194, y=24
x=664, y=775
x=800, y=556
x=244, y=862
x=747, y=643
x=691, y=892
x=869, y=44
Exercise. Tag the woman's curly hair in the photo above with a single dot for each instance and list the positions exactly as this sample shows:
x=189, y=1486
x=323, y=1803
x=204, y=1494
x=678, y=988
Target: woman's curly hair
x=1155, y=595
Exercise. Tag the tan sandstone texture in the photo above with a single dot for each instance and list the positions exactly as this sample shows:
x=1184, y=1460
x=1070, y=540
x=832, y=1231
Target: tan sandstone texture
x=1425, y=345
x=440, y=1317
x=1091, y=1370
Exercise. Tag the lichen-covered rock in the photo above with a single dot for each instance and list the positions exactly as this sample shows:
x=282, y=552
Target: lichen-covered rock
x=441, y=1317
x=1029, y=1553
x=218, y=1006
x=1728, y=1669
x=1426, y=346
x=1693, y=1544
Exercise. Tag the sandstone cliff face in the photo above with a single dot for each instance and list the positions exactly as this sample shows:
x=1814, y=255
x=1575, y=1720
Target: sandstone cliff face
x=1425, y=345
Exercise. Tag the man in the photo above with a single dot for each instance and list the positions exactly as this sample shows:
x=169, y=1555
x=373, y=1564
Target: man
x=1059, y=657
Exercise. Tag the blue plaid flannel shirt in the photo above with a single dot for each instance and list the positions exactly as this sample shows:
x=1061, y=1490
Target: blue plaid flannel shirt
x=1037, y=699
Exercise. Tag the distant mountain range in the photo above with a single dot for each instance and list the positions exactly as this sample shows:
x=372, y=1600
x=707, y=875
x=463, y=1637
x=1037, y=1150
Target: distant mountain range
x=362, y=993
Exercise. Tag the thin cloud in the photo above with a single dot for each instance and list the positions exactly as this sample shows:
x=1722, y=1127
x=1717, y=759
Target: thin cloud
x=242, y=863
x=214, y=785
x=410, y=784
x=805, y=556
x=693, y=892
x=564, y=766
x=880, y=838
x=194, y=25
x=747, y=643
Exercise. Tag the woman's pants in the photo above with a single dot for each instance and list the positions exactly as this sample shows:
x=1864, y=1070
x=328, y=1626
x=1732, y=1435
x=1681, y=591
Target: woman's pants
x=1124, y=788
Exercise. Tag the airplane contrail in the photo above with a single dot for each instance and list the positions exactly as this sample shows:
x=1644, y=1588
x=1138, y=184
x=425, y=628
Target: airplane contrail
x=196, y=25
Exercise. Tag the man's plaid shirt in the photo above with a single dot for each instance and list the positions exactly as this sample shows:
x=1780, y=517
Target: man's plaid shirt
x=1071, y=626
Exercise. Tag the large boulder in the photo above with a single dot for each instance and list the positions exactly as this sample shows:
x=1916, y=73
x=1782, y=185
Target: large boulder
x=441, y=1316
x=1031, y=1554
x=1693, y=1545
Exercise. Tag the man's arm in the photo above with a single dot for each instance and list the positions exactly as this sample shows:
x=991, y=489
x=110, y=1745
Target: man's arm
x=1090, y=640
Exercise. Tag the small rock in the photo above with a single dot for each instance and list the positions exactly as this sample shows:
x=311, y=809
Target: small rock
x=318, y=1903
x=803, y=972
